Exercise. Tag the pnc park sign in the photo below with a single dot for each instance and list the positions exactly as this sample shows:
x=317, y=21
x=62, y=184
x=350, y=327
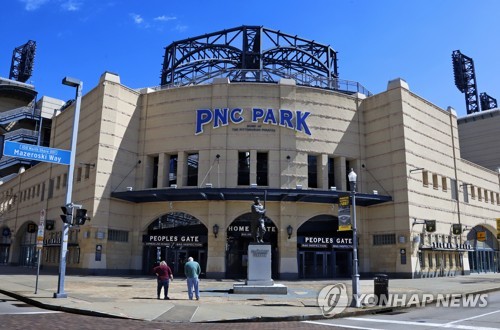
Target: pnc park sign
x=219, y=117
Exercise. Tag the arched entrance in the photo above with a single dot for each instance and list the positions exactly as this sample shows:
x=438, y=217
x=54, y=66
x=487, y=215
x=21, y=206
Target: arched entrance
x=28, y=256
x=324, y=252
x=239, y=235
x=486, y=255
x=174, y=237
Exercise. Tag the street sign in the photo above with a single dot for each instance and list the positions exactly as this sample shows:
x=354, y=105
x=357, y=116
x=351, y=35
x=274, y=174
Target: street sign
x=34, y=152
x=41, y=230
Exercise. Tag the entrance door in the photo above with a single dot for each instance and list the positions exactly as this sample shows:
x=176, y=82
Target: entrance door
x=315, y=264
x=175, y=260
x=323, y=264
x=4, y=253
x=440, y=263
x=343, y=264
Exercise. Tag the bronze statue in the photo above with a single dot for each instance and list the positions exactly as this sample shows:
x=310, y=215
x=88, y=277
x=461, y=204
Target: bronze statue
x=258, y=226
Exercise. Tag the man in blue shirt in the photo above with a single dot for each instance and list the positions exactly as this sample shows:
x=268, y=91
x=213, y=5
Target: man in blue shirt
x=192, y=270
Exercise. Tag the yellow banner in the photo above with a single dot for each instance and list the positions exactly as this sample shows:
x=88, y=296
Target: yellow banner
x=345, y=228
x=481, y=236
x=344, y=214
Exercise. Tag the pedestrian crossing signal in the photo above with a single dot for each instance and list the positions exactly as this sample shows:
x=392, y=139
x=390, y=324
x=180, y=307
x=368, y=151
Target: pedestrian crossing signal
x=81, y=217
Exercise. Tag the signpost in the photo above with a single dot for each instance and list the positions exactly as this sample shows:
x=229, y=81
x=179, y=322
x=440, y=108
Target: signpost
x=39, y=244
x=38, y=153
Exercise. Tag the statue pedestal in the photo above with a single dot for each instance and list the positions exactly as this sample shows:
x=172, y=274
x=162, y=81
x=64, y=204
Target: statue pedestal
x=259, y=272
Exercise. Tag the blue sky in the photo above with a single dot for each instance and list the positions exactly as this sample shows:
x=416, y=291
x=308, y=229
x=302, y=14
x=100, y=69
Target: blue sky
x=377, y=40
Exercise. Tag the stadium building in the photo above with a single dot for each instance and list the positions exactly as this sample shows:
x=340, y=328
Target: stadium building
x=171, y=172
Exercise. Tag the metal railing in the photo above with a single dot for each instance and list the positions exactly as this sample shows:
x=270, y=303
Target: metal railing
x=272, y=76
x=22, y=134
x=19, y=113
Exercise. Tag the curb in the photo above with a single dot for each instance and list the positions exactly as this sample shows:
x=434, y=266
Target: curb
x=297, y=318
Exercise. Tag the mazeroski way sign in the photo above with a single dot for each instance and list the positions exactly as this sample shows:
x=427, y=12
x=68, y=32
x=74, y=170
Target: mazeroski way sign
x=34, y=152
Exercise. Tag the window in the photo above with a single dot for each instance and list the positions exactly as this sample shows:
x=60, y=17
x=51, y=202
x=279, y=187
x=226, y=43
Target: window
x=473, y=192
x=450, y=256
x=243, y=168
x=466, y=192
x=172, y=170
x=435, y=184
x=155, y=172
x=78, y=174
x=498, y=198
x=87, y=171
x=492, y=197
x=454, y=188
x=331, y=172
x=425, y=178
x=347, y=171
x=58, y=182
x=117, y=235
x=312, y=171
x=444, y=183
x=479, y=194
x=384, y=239
x=65, y=179
x=43, y=192
x=192, y=169
x=51, y=188
x=429, y=258
x=262, y=169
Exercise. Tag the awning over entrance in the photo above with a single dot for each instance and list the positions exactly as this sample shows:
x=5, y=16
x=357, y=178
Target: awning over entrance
x=245, y=194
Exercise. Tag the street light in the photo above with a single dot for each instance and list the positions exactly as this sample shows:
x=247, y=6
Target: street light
x=78, y=84
x=355, y=274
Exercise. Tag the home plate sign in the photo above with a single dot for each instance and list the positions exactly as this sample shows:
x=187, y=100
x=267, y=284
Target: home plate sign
x=38, y=153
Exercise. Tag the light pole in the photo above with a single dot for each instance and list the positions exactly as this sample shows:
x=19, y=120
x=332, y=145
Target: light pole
x=355, y=274
x=68, y=81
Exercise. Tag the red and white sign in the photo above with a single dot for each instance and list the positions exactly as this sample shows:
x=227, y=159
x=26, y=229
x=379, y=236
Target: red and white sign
x=41, y=230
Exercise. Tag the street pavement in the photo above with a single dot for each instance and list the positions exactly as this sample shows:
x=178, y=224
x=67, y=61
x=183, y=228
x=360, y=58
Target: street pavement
x=134, y=297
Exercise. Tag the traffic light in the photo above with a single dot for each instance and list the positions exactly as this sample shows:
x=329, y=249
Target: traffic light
x=67, y=216
x=81, y=217
x=430, y=225
x=456, y=229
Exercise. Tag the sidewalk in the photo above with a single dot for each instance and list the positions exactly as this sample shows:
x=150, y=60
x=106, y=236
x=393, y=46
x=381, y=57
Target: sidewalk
x=135, y=296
